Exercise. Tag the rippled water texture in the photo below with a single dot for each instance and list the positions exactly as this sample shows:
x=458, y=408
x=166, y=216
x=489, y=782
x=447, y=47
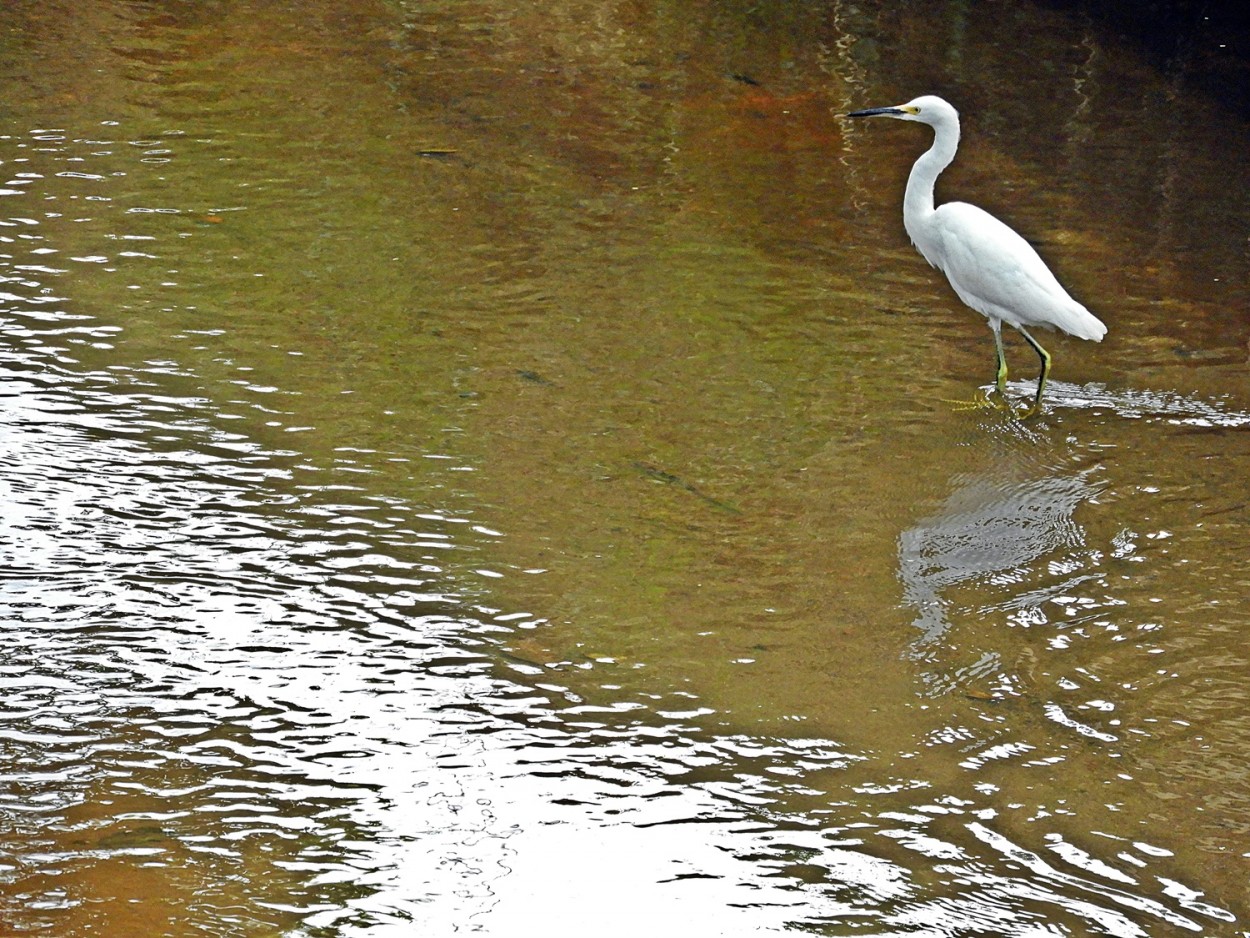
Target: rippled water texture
x=493, y=469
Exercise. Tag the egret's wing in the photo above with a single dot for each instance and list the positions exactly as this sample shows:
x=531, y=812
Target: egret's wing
x=997, y=273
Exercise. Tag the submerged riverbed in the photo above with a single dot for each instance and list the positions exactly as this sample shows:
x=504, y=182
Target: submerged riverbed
x=493, y=470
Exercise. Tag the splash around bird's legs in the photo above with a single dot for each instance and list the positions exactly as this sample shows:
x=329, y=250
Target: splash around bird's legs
x=995, y=398
x=998, y=398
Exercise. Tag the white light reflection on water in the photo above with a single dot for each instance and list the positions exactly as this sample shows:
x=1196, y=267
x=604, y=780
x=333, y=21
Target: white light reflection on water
x=234, y=674
x=211, y=664
x=222, y=670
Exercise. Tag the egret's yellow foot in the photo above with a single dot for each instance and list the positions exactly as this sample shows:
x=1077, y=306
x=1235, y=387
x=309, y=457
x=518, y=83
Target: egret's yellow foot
x=984, y=400
x=1029, y=411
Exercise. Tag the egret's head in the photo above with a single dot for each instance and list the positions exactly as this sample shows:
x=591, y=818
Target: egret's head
x=927, y=109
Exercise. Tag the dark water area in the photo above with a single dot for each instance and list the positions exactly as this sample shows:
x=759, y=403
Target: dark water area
x=1201, y=46
x=502, y=470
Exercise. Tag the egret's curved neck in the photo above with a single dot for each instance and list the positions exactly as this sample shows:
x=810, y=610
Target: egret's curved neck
x=918, y=200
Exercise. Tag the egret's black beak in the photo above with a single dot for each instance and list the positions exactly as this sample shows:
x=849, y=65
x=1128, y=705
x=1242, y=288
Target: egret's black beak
x=875, y=111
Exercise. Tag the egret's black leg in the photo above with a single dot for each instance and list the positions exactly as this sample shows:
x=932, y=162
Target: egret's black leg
x=1045, y=357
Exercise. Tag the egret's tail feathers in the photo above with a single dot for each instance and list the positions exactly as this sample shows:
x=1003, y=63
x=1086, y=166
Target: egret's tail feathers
x=1093, y=327
x=1078, y=321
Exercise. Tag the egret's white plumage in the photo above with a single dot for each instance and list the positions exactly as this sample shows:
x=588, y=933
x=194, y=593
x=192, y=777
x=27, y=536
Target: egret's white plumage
x=992, y=269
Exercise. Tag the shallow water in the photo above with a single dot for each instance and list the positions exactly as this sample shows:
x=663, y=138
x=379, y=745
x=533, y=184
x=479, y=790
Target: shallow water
x=500, y=471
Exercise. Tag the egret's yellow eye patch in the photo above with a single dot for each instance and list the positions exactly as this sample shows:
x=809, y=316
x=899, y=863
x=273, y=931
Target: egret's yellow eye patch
x=910, y=109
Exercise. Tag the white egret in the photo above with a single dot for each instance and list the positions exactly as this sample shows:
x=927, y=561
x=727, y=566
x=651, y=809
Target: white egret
x=993, y=269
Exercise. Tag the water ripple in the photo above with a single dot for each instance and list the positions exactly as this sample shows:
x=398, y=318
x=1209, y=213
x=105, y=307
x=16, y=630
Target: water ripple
x=214, y=665
x=236, y=673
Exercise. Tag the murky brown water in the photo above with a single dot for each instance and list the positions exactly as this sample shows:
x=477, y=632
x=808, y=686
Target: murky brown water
x=496, y=470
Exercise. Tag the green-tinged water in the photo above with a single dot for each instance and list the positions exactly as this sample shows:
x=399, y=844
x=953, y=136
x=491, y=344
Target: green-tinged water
x=501, y=470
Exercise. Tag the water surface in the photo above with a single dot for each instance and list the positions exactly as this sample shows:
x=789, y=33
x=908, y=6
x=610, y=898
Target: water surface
x=502, y=471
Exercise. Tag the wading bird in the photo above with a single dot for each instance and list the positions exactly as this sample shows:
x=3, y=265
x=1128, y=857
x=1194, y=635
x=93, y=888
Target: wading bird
x=993, y=269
